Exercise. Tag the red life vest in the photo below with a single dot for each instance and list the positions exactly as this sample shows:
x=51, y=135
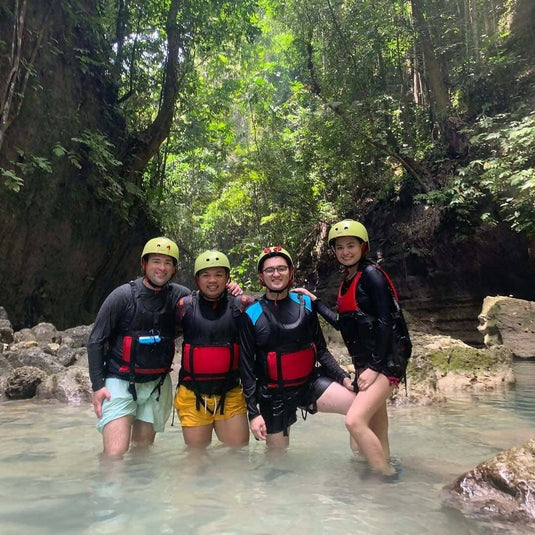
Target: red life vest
x=347, y=301
x=290, y=369
x=209, y=363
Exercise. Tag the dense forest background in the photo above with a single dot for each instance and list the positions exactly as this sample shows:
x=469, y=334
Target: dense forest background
x=240, y=124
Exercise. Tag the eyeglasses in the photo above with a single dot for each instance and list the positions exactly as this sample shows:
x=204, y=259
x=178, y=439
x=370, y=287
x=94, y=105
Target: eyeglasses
x=278, y=269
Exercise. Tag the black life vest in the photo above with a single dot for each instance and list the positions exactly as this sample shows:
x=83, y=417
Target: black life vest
x=357, y=327
x=289, y=366
x=210, y=351
x=148, y=345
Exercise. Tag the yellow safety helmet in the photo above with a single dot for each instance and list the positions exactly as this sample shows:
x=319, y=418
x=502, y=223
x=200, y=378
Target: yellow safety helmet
x=161, y=245
x=348, y=227
x=210, y=259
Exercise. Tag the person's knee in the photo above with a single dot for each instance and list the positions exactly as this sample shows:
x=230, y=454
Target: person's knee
x=355, y=424
x=198, y=443
x=237, y=442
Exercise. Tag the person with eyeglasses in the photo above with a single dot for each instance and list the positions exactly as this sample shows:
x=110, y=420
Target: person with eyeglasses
x=285, y=363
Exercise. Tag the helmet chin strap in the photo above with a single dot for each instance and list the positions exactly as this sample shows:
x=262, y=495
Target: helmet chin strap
x=156, y=287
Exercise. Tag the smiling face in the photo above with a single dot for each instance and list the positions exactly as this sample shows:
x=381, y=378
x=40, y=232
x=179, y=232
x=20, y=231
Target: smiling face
x=276, y=273
x=159, y=269
x=348, y=250
x=212, y=282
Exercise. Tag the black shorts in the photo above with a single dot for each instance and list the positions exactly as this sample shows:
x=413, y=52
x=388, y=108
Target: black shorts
x=279, y=409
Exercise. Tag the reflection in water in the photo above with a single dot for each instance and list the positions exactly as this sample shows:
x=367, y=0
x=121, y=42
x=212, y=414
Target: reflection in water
x=51, y=480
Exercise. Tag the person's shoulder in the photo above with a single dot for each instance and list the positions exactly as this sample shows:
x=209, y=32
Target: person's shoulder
x=121, y=291
x=373, y=274
x=241, y=302
x=254, y=310
x=117, y=299
x=298, y=298
x=178, y=291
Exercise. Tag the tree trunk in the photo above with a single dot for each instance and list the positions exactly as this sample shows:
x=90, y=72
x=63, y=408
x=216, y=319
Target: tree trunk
x=522, y=27
x=433, y=74
x=144, y=145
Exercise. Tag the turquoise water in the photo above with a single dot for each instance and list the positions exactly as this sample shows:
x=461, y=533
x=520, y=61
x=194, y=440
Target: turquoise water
x=51, y=479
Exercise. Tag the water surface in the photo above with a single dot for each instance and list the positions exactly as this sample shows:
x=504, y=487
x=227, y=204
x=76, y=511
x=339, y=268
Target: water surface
x=51, y=479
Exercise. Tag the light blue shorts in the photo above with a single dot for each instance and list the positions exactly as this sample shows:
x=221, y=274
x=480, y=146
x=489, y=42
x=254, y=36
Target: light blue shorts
x=153, y=404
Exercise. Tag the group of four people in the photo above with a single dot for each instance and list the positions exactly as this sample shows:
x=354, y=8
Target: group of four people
x=245, y=362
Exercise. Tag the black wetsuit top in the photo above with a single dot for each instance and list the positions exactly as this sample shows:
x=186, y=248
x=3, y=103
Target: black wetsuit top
x=258, y=336
x=367, y=334
x=113, y=322
x=210, y=323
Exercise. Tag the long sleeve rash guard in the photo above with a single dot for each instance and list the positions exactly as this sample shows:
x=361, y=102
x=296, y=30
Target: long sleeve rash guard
x=258, y=336
x=113, y=321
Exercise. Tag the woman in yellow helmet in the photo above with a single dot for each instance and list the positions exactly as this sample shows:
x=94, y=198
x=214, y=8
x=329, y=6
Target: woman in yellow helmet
x=365, y=318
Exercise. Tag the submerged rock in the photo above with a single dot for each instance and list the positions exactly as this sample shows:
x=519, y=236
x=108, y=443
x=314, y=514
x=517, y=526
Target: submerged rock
x=501, y=489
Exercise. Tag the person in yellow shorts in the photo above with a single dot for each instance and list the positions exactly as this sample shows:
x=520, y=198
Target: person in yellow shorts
x=209, y=395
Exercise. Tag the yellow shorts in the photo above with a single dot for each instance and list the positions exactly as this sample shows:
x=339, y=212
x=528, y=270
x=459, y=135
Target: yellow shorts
x=186, y=407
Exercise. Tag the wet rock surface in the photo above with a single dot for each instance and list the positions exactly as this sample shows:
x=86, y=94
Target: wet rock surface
x=501, y=489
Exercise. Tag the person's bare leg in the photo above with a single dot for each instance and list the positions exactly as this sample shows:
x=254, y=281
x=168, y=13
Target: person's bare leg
x=367, y=403
x=116, y=437
x=143, y=434
x=233, y=431
x=277, y=443
x=335, y=399
x=198, y=436
x=379, y=425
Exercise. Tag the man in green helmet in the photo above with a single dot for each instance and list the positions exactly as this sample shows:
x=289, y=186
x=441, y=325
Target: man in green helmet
x=131, y=349
x=209, y=397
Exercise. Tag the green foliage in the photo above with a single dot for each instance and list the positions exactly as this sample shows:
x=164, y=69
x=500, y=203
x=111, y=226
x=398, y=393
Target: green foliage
x=10, y=180
x=506, y=167
x=95, y=156
x=295, y=113
x=498, y=184
x=25, y=165
x=310, y=121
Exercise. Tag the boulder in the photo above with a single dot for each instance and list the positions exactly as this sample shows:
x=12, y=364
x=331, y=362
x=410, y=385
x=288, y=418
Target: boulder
x=442, y=367
x=5, y=366
x=24, y=335
x=70, y=386
x=79, y=335
x=6, y=331
x=22, y=382
x=33, y=356
x=510, y=322
x=46, y=333
x=69, y=356
x=501, y=489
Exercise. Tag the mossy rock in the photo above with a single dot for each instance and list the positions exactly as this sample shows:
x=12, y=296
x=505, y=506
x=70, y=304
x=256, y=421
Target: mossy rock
x=469, y=359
